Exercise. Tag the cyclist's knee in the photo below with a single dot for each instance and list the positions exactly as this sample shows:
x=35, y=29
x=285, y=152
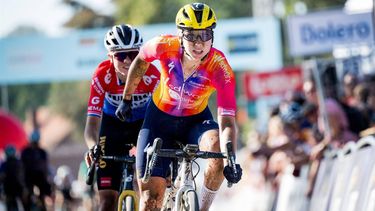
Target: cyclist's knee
x=152, y=193
x=152, y=198
x=210, y=141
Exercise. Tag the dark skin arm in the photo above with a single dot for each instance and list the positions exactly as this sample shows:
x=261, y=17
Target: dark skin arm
x=136, y=71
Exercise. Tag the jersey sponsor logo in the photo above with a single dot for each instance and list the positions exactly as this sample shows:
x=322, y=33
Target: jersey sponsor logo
x=95, y=100
x=191, y=95
x=102, y=139
x=105, y=181
x=221, y=62
x=113, y=99
x=227, y=112
x=148, y=79
x=197, y=85
x=165, y=40
x=171, y=66
x=95, y=108
x=174, y=94
x=107, y=78
x=140, y=100
x=207, y=122
x=97, y=86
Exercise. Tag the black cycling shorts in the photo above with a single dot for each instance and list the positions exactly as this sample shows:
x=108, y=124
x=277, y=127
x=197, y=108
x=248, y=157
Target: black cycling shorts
x=158, y=124
x=114, y=135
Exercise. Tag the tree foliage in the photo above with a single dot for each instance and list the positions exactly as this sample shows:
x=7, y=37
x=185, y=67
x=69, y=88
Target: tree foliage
x=23, y=98
x=70, y=99
x=161, y=11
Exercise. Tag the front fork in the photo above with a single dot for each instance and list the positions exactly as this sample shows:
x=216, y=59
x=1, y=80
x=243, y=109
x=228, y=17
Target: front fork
x=185, y=182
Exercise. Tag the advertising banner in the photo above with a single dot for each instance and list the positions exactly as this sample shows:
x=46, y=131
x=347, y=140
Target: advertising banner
x=319, y=32
x=272, y=83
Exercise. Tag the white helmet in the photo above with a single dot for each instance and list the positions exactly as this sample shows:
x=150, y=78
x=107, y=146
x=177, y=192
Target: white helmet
x=122, y=37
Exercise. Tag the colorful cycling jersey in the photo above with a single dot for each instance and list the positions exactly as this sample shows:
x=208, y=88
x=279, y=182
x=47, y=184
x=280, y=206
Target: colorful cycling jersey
x=179, y=97
x=107, y=89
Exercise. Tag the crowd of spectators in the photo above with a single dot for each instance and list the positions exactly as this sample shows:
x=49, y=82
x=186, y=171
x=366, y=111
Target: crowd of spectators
x=304, y=126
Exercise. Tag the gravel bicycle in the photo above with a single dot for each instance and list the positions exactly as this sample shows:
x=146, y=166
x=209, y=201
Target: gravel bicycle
x=127, y=199
x=182, y=195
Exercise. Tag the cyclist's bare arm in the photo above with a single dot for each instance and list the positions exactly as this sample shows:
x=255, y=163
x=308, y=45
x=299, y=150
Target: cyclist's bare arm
x=91, y=134
x=136, y=71
x=228, y=131
x=92, y=130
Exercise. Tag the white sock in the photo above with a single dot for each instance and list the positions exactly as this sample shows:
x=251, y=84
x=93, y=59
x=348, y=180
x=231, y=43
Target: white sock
x=207, y=197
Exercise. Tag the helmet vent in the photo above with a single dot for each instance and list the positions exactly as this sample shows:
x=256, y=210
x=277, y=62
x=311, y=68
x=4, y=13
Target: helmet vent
x=185, y=14
x=122, y=32
x=198, y=14
x=209, y=15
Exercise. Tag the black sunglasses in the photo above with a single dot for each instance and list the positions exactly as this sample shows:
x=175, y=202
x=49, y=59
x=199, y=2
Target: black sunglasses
x=121, y=56
x=193, y=35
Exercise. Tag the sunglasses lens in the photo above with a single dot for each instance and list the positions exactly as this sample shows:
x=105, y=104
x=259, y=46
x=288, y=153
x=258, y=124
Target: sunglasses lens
x=193, y=36
x=206, y=36
x=132, y=54
x=121, y=56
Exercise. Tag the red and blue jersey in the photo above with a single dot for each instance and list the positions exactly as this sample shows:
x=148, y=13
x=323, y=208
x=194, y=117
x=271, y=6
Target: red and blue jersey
x=107, y=89
x=179, y=97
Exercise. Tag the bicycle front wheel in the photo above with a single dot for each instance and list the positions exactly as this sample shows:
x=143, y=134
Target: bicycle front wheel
x=127, y=201
x=190, y=201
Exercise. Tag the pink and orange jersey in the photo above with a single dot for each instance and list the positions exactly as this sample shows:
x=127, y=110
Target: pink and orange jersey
x=107, y=89
x=179, y=97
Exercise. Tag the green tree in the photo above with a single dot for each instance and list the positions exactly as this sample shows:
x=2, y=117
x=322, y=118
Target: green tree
x=22, y=98
x=70, y=99
x=161, y=11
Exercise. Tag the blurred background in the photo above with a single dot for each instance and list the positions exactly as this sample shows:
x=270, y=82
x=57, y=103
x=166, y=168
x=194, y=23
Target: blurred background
x=49, y=50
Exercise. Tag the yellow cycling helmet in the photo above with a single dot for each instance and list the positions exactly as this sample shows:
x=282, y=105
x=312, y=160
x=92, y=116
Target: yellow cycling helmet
x=196, y=16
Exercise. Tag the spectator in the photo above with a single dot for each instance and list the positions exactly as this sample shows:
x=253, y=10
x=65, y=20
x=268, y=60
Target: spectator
x=35, y=161
x=350, y=81
x=12, y=179
x=63, y=181
x=361, y=94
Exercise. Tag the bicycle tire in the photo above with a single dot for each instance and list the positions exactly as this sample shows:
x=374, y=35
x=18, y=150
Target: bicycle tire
x=189, y=201
x=127, y=201
x=129, y=204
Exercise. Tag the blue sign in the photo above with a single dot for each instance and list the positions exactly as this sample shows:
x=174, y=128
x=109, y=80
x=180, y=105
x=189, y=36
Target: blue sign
x=319, y=32
x=242, y=43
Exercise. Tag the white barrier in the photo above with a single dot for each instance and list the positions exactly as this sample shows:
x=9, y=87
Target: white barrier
x=292, y=191
x=362, y=192
x=346, y=180
x=324, y=182
x=345, y=165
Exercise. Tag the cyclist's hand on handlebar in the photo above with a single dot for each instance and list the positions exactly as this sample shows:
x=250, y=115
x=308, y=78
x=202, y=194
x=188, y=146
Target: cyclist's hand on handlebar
x=230, y=175
x=123, y=111
x=88, y=158
x=93, y=154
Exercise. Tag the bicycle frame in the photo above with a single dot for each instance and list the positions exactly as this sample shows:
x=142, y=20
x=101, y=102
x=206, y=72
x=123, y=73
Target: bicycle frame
x=180, y=185
x=184, y=182
x=126, y=188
